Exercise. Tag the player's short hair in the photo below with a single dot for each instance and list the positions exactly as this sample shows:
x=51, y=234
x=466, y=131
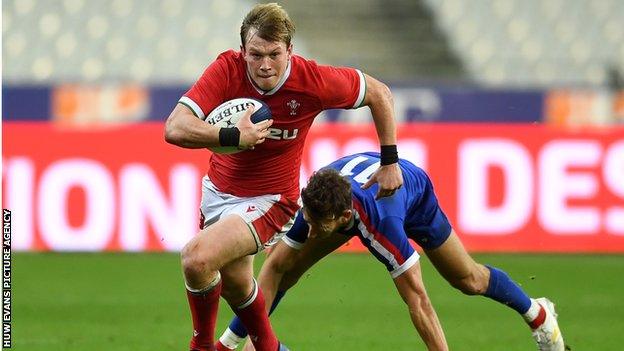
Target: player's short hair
x=271, y=22
x=327, y=195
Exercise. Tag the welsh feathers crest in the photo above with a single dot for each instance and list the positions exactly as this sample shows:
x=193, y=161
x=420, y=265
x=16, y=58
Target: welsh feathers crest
x=293, y=104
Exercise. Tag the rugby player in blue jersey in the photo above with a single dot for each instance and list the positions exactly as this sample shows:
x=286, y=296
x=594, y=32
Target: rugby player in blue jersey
x=339, y=203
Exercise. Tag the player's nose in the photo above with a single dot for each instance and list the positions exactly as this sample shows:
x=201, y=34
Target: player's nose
x=265, y=64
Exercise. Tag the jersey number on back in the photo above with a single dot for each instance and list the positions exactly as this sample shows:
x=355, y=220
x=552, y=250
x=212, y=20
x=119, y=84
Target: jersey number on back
x=363, y=176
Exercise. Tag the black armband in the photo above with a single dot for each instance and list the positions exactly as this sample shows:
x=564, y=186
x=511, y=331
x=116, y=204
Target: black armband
x=389, y=155
x=229, y=136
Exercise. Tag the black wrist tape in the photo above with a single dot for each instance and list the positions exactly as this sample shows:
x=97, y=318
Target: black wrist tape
x=229, y=136
x=389, y=154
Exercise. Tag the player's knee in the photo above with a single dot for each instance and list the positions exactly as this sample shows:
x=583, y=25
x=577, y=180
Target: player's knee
x=194, y=262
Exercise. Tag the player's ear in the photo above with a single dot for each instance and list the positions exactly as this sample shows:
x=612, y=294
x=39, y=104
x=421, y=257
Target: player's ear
x=289, y=50
x=346, y=215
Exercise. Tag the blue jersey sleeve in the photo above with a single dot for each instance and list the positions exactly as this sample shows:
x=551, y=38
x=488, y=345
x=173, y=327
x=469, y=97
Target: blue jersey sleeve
x=298, y=233
x=388, y=242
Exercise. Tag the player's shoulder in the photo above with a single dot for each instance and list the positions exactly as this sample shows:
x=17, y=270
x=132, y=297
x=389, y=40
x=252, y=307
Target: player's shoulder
x=311, y=69
x=231, y=63
x=230, y=55
x=303, y=69
x=302, y=62
x=231, y=59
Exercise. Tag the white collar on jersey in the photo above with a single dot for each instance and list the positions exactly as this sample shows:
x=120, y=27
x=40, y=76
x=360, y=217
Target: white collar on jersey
x=277, y=87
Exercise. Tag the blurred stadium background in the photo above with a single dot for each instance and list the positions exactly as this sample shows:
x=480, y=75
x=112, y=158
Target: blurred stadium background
x=514, y=107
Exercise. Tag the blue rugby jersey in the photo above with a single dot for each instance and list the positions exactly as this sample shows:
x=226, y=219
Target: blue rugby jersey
x=385, y=225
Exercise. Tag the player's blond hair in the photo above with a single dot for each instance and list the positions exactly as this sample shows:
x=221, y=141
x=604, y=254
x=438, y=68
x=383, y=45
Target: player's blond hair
x=271, y=23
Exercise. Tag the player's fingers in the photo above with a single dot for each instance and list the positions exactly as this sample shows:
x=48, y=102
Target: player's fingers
x=250, y=110
x=260, y=141
x=248, y=347
x=247, y=115
x=369, y=183
x=262, y=125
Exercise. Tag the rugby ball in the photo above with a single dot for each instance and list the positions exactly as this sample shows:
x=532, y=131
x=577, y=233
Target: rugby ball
x=228, y=113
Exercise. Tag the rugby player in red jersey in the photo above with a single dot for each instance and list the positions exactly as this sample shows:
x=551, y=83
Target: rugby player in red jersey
x=249, y=199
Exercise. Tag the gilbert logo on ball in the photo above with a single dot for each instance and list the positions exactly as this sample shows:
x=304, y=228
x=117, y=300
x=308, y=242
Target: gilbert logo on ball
x=230, y=112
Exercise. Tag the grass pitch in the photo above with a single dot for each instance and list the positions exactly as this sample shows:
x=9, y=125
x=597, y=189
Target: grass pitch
x=347, y=302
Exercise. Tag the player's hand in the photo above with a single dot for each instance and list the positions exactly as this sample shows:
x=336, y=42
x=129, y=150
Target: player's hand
x=389, y=178
x=252, y=134
x=248, y=346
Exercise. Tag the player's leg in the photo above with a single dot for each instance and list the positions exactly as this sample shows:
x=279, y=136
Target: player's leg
x=202, y=258
x=247, y=301
x=268, y=218
x=282, y=269
x=472, y=278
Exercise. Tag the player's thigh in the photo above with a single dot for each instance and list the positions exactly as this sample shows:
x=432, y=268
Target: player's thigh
x=221, y=243
x=267, y=217
x=451, y=259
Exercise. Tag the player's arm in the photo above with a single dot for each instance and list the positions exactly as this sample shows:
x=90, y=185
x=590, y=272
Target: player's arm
x=184, y=129
x=407, y=277
x=281, y=260
x=379, y=99
x=412, y=290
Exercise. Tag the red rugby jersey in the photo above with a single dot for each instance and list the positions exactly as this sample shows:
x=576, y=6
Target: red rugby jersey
x=305, y=90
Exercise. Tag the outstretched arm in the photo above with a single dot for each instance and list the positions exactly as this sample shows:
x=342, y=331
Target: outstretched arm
x=281, y=260
x=379, y=98
x=285, y=265
x=412, y=290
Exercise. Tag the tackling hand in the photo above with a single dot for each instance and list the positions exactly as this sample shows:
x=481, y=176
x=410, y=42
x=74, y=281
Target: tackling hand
x=389, y=178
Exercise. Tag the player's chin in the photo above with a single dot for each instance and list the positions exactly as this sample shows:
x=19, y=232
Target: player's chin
x=266, y=83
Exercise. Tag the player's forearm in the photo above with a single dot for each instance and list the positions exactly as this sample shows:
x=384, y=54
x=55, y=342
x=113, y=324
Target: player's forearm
x=269, y=280
x=412, y=290
x=379, y=100
x=185, y=130
x=427, y=324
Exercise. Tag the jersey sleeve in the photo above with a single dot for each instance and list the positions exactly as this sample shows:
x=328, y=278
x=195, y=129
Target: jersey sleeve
x=209, y=90
x=341, y=87
x=298, y=233
x=388, y=242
